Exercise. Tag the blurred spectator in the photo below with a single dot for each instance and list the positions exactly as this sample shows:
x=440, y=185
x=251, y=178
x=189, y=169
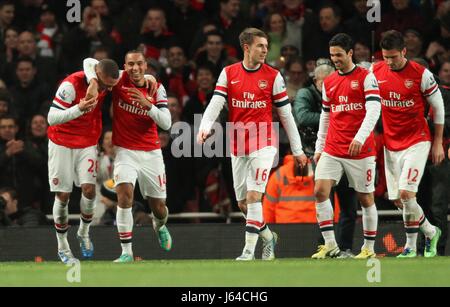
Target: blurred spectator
x=287, y=53
x=263, y=9
x=30, y=96
x=2, y=84
x=179, y=76
x=101, y=53
x=109, y=200
x=308, y=106
x=231, y=24
x=275, y=27
x=175, y=108
x=184, y=20
x=402, y=17
x=214, y=54
x=27, y=217
x=199, y=101
x=361, y=52
x=413, y=43
x=106, y=157
x=7, y=10
x=155, y=36
x=26, y=48
x=358, y=27
x=198, y=43
x=18, y=162
x=438, y=50
x=317, y=39
x=444, y=73
x=9, y=54
x=298, y=18
x=289, y=196
x=83, y=39
x=5, y=102
x=37, y=137
x=51, y=34
x=296, y=76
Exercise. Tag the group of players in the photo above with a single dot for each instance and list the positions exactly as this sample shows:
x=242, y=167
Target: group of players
x=352, y=100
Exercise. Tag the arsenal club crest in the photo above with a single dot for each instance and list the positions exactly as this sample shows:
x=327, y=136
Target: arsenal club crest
x=354, y=84
x=262, y=84
x=409, y=83
x=55, y=181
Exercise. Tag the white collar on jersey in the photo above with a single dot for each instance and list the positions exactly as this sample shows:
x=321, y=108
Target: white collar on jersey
x=250, y=69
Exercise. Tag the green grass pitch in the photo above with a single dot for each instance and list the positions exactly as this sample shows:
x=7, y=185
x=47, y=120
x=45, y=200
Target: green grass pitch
x=191, y=273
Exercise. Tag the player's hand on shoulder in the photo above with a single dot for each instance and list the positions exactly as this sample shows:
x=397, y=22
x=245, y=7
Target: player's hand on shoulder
x=354, y=148
x=151, y=84
x=437, y=153
x=87, y=105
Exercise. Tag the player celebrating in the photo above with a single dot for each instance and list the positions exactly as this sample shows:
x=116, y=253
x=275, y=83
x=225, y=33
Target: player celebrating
x=404, y=87
x=251, y=88
x=350, y=110
x=138, y=150
x=75, y=125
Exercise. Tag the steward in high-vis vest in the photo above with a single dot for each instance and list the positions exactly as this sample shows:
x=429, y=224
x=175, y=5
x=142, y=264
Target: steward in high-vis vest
x=289, y=195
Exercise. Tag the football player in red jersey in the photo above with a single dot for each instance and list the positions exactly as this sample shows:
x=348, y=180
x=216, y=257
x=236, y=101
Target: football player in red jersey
x=251, y=88
x=137, y=115
x=405, y=87
x=75, y=125
x=345, y=143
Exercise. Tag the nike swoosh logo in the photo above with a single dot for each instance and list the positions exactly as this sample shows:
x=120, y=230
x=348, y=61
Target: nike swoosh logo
x=332, y=89
x=234, y=82
x=382, y=81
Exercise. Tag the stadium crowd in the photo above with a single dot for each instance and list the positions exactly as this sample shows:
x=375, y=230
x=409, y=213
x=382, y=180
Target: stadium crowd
x=186, y=44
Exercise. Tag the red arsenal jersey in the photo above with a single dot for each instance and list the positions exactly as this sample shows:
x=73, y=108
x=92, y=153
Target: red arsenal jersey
x=345, y=96
x=85, y=130
x=403, y=95
x=133, y=128
x=250, y=95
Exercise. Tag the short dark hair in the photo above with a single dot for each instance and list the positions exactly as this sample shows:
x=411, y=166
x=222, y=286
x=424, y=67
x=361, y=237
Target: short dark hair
x=392, y=39
x=206, y=66
x=336, y=9
x=135, y=51
x=214, y=33
x=5, y=96
x=109, y=68
x=342, y=40
x=9, y=116
x=5, y=3
x=25, y=59
x=248, y=35
x=294, y=60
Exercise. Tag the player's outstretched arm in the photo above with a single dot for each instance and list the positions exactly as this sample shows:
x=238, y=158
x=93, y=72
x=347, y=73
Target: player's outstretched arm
x=209, y=117
x=324, y=123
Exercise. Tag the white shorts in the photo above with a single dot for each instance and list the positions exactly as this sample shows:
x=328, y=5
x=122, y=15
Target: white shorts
x=145, y=166
x=360, y=173
x=251, y=173
x=404, y=169
x=67, y=166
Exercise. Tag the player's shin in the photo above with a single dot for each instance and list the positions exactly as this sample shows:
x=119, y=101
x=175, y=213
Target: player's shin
x=125, y=228
x=370, y=223
x=160, y=219
x=411, y=215
x=253, y=225
x=325, y=216
x=60, y=217
x=87, y=207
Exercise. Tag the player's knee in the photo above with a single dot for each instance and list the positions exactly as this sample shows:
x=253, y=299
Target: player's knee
x=321, y=194
x=366, y=199
x=405, y=195
x=88, y=191
x=253, y=197
x=63, y=197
